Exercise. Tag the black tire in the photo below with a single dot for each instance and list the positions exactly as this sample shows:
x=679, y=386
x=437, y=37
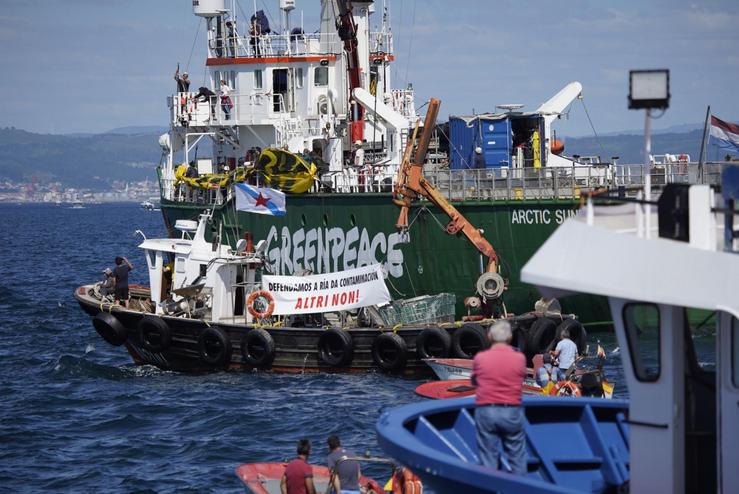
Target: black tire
x=577, y=334
x=433, y=343
x=154, y=334
x=520, y=339
x=335, y=348
x=468, y=340
x=214, y=347
x=109, y=328
x=389, y=352
x=258, y=348
x=542, y=334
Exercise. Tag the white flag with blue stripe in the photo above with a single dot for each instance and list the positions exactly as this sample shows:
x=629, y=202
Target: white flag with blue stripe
x=260, y=200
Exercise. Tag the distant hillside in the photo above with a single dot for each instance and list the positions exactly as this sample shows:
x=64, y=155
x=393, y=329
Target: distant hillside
x=78, y=161
x=630, y=148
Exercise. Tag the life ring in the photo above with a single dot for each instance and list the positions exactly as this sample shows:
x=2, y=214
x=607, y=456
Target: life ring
x=406, y=482
x=214, y=347
x=389, y=352
x=335, y=348
x=542, y=334
x=577, y=333
x=253, y=296
x=468, y=340
x=566, y=388
x=154, y=334
x=433, y=343
x=258, y=348
x=110, y=328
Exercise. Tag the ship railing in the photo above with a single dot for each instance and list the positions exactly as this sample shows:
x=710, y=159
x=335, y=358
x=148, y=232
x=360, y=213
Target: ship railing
x=493, y=183
x=189, y=110
x=381, y=43
x=403, y=101
x=276, y=45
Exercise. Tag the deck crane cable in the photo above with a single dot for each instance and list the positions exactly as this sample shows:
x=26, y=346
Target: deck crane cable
x=410, y=45
x=597, y=137
x=192, y=49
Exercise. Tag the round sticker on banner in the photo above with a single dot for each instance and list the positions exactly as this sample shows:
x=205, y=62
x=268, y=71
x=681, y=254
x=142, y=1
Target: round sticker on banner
x=491, y=127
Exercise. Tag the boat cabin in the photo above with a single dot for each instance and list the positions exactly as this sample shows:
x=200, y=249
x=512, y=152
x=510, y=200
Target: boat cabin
x=667, y=286
x=202, y=279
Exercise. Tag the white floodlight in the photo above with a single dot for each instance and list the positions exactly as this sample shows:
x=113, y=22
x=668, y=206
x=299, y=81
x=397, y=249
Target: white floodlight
x=649, y=89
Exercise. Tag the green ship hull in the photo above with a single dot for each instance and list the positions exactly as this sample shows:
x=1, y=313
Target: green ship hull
x=333, y=231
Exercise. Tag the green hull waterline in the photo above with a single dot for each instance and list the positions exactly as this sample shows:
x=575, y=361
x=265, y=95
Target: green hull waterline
x=331, y=232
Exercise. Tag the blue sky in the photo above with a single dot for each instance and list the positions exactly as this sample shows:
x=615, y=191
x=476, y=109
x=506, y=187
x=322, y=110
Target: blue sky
x=93, y=65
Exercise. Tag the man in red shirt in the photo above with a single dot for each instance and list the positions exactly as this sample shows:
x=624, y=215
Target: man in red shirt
x=498, y=374
x=298, y=476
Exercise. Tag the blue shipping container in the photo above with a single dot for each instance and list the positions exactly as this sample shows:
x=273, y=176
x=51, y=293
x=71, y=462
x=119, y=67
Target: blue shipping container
x=492, y=135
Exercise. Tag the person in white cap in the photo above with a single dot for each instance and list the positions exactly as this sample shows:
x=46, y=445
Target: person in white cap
x=183, y=83
x=107, y=285
x=479, y=158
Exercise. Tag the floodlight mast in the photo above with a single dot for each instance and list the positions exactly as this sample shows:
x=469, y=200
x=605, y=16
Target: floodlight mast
x=648, y=89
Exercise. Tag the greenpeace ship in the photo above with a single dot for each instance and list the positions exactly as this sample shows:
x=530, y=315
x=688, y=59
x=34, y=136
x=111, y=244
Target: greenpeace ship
x=290, y=106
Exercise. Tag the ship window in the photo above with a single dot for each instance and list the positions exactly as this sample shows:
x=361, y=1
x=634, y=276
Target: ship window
x=642, y=333
x=321, y=76
x=180, y=264
x=151, y=259
x=299, y=77
x=735, y=352
x=258, y=79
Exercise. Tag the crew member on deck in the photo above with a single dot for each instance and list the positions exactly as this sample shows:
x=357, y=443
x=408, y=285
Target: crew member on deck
x=122, y=268
x=498, y=375
x=183, y=83
x=565, y=352
x=226, y=103
x=298, y=476
x=107, y=285
x=345, y=473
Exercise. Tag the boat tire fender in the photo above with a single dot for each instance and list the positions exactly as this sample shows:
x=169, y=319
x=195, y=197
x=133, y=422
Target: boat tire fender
x=389, y=352
x=433, y=343
x=335, y=348
x=270, y=303
x=468, y=340
x=214, y=347
x=543, y=334
x=110, y=328
x=258, y=348
x=154, y=334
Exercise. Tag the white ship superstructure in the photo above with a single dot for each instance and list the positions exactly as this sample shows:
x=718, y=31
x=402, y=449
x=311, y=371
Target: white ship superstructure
x=307, y=92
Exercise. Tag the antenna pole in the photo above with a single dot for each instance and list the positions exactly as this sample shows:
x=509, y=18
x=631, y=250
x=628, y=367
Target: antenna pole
x=701, y=160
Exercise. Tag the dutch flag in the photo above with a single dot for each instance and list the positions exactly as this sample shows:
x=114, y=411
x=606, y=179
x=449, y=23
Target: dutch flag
x=260, y=200
x=726, y=133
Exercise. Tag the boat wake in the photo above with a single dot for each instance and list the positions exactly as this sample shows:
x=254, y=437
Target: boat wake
x=71, y=365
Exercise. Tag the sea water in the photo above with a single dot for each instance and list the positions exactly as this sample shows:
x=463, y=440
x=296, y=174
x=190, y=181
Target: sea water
x=78, y=416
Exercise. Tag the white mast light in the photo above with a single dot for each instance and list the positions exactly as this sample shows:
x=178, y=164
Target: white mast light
x=649, y=89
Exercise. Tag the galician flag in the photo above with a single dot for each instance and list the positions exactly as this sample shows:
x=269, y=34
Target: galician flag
x=725, y=133
x=260, y=200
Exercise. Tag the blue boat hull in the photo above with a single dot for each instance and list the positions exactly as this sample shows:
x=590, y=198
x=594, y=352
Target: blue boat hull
x=573, y=445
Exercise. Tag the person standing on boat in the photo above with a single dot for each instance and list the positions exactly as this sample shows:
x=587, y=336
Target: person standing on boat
x=498, y=375
x=183, y=83
x=298, y=476
x=226, y=103
x=120, y=273
x=352, y=171
x=565, y=352
x=345, y=473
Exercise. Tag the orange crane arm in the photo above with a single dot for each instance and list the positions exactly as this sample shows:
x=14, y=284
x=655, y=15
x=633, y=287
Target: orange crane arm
x=410, y=184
